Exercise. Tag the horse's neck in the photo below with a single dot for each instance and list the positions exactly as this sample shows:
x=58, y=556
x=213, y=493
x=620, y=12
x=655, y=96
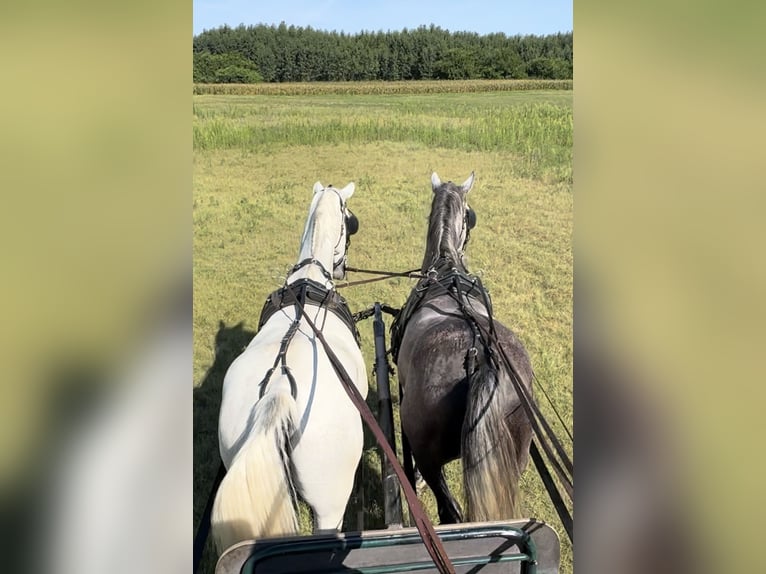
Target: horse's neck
x=442, y=261
x=441, y=252
x=316, y=244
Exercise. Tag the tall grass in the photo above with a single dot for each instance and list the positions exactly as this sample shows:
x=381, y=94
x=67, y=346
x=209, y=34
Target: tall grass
x=525, y=129
x=540, y=132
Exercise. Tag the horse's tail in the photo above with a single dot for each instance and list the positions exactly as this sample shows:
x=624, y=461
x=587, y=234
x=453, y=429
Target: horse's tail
x=490, y=466
x=256, y=498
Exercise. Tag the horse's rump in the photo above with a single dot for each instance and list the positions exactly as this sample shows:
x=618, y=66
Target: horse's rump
x=257, y=496
x=457, y=401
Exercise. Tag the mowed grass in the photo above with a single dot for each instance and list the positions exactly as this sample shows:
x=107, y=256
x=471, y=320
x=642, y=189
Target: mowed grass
x=256, y=159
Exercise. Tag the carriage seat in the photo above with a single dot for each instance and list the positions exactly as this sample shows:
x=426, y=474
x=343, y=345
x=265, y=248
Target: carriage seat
x=519, y=546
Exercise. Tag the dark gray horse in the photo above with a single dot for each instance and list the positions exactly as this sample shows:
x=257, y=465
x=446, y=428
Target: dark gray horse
x=458, y=399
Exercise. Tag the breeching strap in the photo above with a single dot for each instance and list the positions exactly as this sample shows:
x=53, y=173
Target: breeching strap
x=425, y=528
x=530, y=407
x=536, y=418
x=531, y=410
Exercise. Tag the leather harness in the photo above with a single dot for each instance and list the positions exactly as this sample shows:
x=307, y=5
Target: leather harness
x=309, y=292
x=302, y=292
x=444, y=279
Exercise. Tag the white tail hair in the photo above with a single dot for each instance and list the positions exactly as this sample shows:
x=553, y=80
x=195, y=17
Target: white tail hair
x=256, y=498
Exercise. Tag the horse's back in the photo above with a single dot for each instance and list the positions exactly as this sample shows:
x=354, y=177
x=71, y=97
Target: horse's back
x=433, y=361
x=319, y=397
x=432, y=374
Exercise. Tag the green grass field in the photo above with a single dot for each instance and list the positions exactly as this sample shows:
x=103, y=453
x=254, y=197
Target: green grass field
x=256, y=158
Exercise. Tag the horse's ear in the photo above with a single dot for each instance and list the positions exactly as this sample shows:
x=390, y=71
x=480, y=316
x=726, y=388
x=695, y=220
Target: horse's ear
x=318, y=187
x=347, y=191
x=468, y=183
x=435, y=181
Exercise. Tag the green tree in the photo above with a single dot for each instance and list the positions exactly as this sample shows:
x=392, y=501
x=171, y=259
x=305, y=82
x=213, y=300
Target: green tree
x=456, y=64
x=549, y=68
x=291, y=53
x=237, y=75
x=226, y=68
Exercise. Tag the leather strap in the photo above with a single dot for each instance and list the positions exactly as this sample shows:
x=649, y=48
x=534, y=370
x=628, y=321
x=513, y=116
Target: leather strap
x=312, y=261
x=312, y=293
x=553, y=492
x=425, y=528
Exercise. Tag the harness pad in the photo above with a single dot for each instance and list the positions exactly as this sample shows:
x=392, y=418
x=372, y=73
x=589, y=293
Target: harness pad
x=452, y=282
x=309, y=292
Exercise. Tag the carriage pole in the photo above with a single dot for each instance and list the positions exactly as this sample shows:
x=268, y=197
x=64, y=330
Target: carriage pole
x=392, y=501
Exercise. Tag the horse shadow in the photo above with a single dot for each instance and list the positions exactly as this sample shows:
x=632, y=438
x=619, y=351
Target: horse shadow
x=229, y=344
x=365, y=509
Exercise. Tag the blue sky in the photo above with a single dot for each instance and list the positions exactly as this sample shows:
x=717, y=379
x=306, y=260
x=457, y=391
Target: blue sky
x=482, y=16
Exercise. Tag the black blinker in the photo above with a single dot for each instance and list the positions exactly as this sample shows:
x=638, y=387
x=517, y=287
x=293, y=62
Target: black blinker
x=470, y=218
x=352, y=224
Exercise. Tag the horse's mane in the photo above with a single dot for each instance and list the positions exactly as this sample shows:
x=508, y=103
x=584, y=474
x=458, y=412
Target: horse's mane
x=322, y=206
x=443, y=239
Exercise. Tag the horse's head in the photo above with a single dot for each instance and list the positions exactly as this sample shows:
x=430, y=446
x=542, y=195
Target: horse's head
x=347, y=225
x=451, y=220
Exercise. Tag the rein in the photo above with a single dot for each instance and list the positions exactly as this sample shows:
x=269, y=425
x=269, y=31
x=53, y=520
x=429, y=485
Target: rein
x=412, y=274
x=425, y=528
x=386, y=273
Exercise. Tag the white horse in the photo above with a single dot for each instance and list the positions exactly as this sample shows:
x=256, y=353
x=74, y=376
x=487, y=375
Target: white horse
x=298, y=432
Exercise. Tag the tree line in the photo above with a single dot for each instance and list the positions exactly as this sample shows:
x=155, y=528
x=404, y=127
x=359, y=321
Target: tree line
x=250, y=54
